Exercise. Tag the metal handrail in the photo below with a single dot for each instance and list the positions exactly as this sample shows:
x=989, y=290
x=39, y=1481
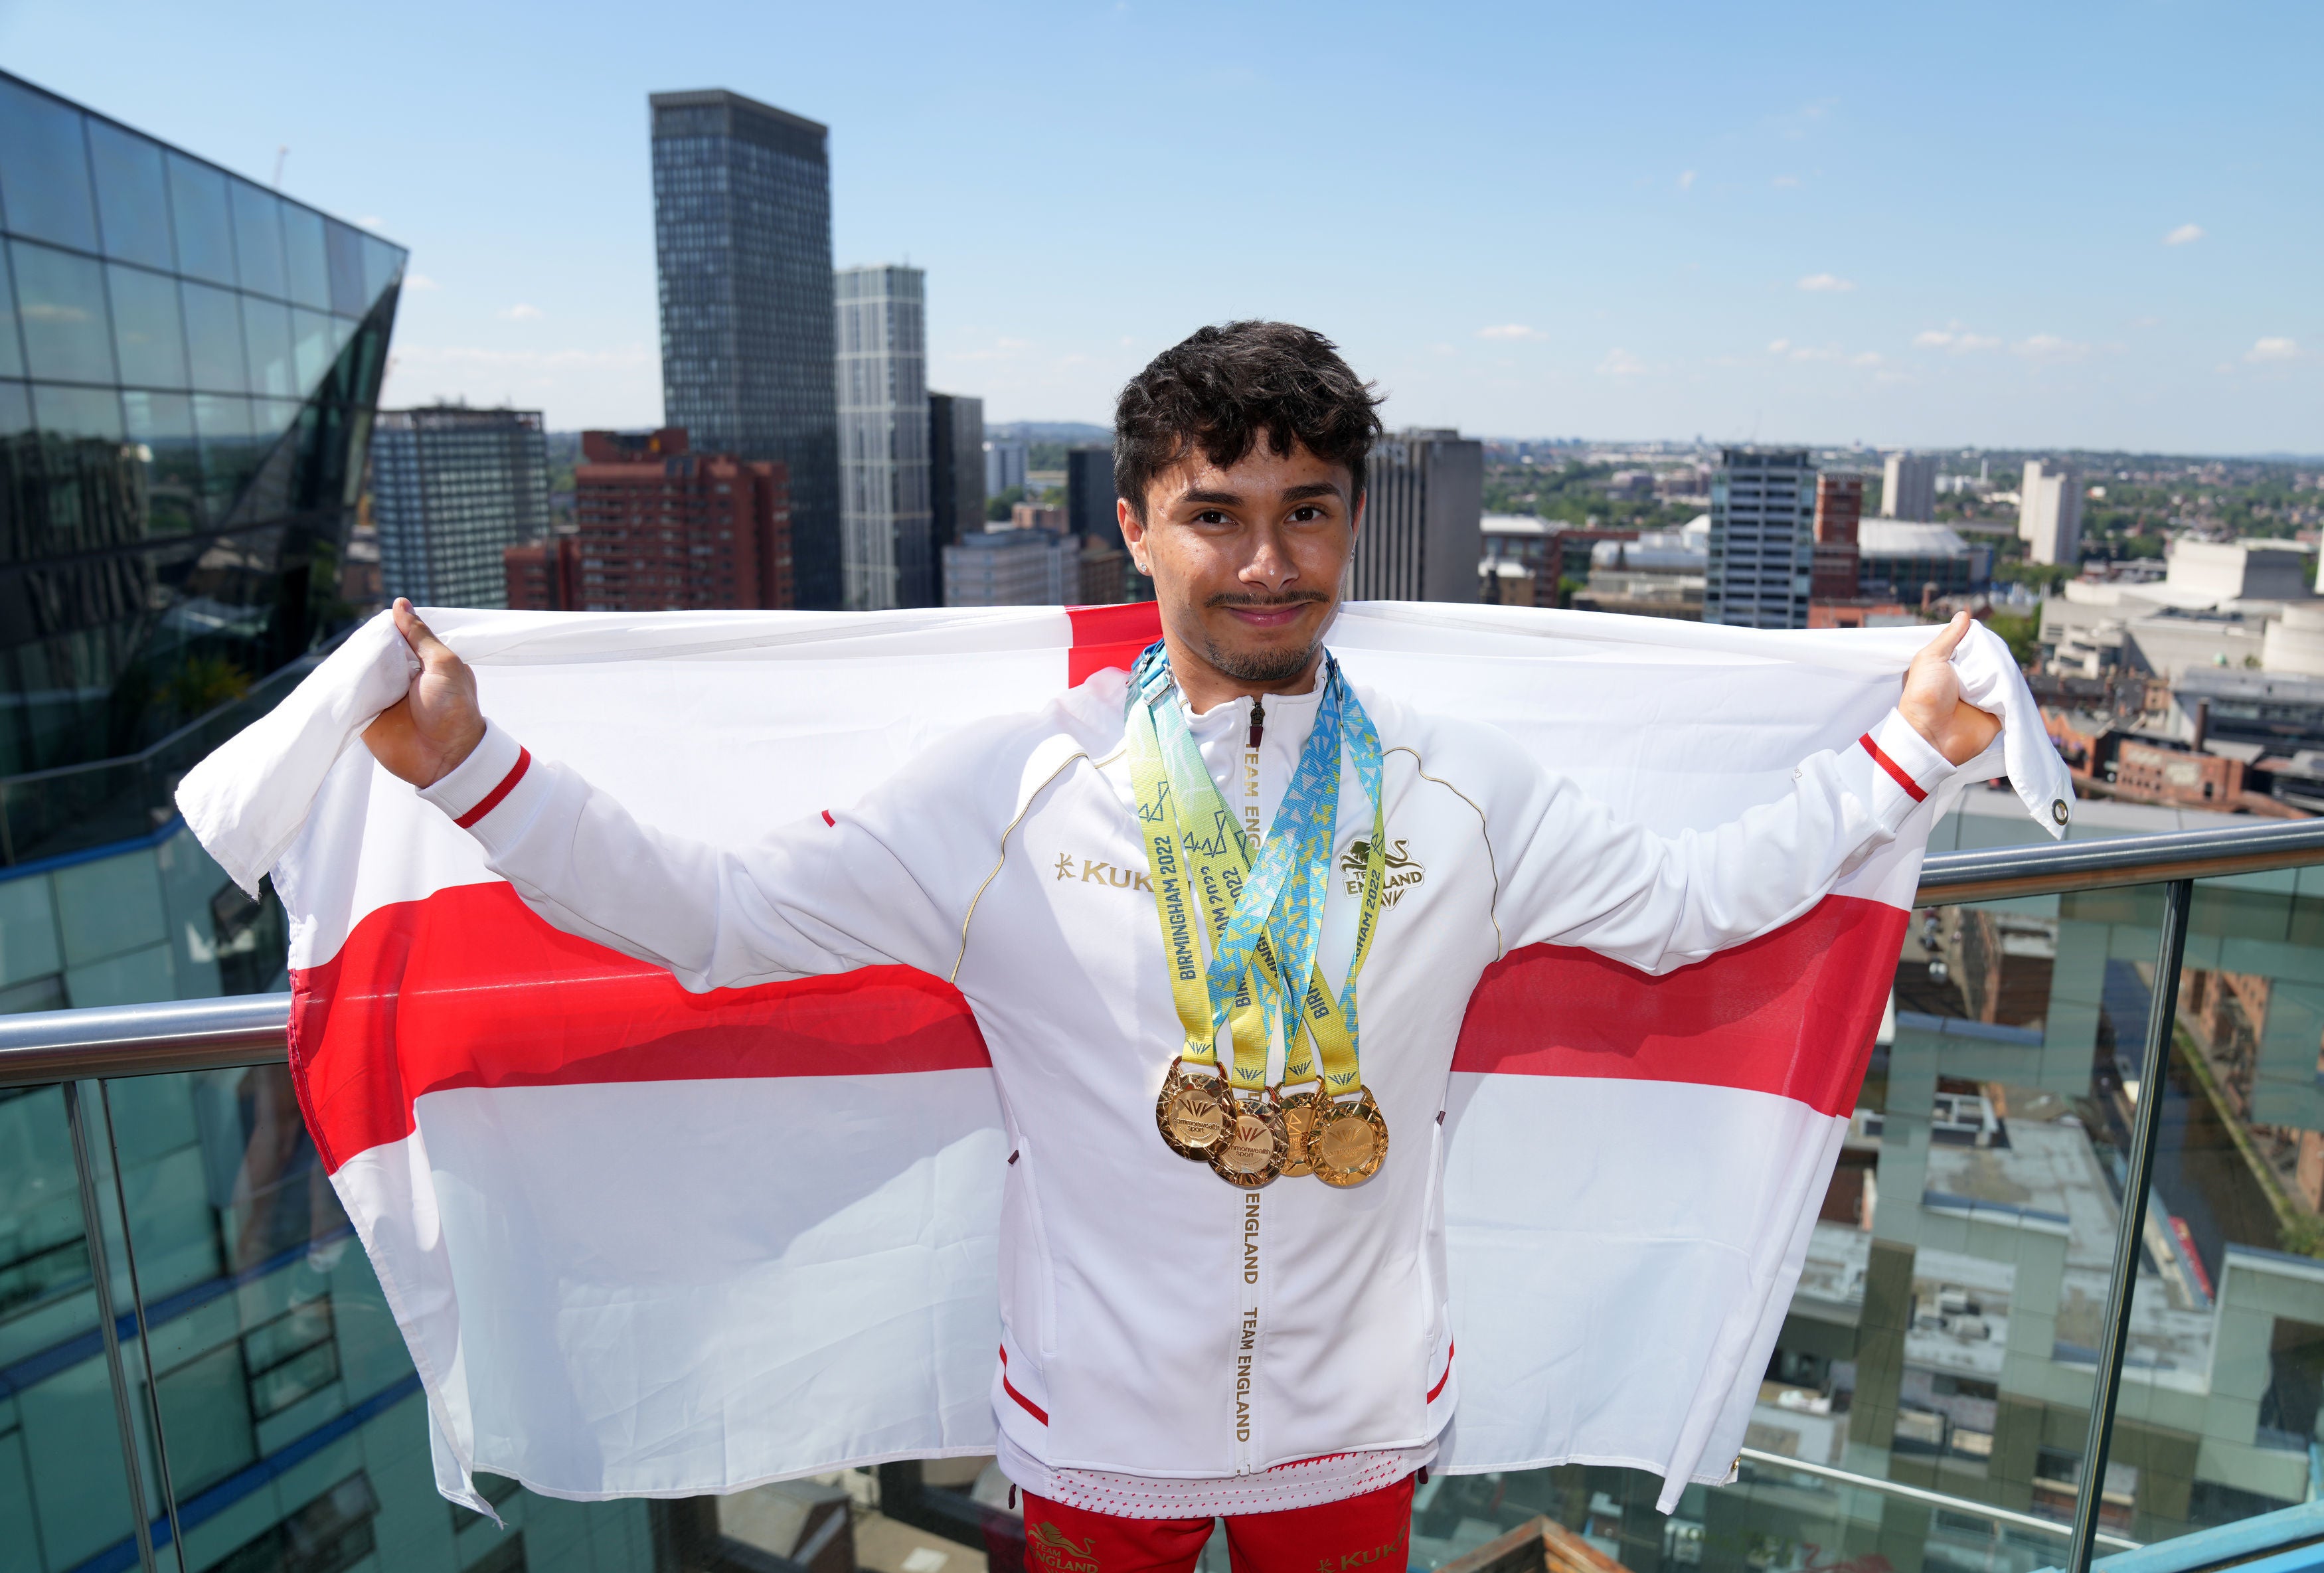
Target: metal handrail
x=2023, y=1521
x=1995, y=872
x=144, y=1040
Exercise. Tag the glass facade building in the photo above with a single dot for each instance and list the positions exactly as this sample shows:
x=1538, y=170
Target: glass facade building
x=742, y=247
x=885, y=513
x=452, y=489
x=188, y=364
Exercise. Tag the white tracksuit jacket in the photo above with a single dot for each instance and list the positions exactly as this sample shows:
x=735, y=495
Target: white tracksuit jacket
x=1158, y=1322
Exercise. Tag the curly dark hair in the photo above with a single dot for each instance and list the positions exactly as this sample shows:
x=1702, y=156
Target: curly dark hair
x=1222, y=389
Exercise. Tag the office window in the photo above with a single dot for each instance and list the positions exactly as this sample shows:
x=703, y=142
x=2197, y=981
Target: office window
x=132, y=201
x=44, y=169
x=60, y=303
x=148, y=333
x=199, y=217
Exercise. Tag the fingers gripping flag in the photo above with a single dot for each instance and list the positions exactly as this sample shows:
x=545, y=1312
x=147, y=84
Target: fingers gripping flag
x=642, y=1241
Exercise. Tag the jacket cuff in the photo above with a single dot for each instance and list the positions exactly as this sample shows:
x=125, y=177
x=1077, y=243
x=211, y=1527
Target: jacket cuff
x=1909, y=760
x=482, y=783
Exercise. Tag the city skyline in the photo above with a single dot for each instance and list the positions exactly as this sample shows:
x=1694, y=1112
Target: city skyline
x=2066, y=229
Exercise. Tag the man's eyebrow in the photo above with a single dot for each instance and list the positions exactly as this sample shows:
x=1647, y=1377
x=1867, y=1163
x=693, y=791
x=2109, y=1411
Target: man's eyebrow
x=1312, y=488
x=1229, y=498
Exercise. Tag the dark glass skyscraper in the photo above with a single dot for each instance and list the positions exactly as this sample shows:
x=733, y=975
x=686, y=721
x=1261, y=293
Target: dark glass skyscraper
x=742, y=242
x=188, y=366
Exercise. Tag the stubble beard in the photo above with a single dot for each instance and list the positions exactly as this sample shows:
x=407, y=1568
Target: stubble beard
x=1261, y=666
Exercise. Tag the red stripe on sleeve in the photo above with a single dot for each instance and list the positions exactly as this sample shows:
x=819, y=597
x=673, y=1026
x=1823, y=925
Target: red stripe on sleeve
x=493, y=798
x=1897, y=772
x=828, y=820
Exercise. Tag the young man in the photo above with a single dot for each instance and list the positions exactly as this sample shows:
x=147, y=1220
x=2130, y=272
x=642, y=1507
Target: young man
x=1222, y=1279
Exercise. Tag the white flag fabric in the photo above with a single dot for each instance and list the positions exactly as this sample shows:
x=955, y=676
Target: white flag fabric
x=1615, y=1290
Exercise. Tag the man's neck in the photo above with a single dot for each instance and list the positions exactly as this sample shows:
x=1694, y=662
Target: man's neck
x=1205, y=686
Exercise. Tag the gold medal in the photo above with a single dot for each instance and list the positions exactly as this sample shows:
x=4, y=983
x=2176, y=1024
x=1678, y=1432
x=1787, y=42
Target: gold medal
x=1351, y=1142
x=1303, y=1112
x=1251, y=1155
x=1193, y=1112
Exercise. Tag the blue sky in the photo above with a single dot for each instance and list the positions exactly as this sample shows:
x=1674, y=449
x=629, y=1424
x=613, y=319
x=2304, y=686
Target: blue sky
x=1995, y=224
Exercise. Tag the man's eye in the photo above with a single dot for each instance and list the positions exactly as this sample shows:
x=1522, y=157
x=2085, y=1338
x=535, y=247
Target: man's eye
x=1210, y=516
x=1306, y=515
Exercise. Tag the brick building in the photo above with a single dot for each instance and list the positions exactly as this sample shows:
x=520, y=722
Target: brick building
x=1839, y=506
x=660, y=528
x=2172, y=775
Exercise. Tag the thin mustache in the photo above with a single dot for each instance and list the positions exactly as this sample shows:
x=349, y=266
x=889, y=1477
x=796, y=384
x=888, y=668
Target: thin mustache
x=1304, y=598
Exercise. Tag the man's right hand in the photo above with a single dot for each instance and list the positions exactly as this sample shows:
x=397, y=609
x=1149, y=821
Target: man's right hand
x=423, y=736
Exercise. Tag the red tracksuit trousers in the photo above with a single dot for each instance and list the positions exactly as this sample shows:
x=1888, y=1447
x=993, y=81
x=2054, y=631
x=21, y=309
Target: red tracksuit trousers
x=1371, y=1533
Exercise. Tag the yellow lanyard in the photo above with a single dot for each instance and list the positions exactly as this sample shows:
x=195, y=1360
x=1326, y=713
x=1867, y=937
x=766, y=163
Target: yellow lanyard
x=1220, y=860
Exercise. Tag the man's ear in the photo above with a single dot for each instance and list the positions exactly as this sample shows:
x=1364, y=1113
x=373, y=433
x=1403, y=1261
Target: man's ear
x=1133, y=529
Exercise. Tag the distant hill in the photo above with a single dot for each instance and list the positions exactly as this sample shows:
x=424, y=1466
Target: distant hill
x=1071, y=433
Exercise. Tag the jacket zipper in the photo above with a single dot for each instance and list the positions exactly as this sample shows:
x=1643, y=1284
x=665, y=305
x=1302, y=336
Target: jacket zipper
x=1258, y=720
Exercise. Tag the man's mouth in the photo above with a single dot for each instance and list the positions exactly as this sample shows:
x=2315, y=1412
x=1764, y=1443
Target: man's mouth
x=1269, y=614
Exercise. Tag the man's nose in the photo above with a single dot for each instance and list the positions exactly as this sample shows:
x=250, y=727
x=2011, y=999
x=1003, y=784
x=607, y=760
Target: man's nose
x=1269, y=564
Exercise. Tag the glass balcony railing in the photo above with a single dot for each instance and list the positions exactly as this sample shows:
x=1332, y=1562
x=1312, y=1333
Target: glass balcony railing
x=2065, y=1296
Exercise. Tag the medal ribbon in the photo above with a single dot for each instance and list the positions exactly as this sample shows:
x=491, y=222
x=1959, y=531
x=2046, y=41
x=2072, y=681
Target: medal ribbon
x=1267, y=918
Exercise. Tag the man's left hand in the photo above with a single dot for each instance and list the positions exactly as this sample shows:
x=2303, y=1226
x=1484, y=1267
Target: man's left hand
x=1933, y=699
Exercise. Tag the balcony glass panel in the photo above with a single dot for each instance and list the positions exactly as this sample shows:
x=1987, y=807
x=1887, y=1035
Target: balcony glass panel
x=64, y=1493
x=293, y=1431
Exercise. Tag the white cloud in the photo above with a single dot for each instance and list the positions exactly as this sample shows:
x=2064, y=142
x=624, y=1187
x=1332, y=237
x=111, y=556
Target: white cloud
x=1785, y=181
x=1622, y=363
x=1866, y=358
x=1686, y=179
x=2184, y=235
x=2049, y=347
x=1953, y=337
x=372, y=221
x=1827, y=284
x=1510, y=330
x=2272, y=349
x=419, y=281
x=520, y=312
x=1776, y=347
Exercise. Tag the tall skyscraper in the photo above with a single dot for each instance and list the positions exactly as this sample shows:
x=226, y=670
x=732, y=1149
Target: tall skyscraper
x=1423, y=515
x=1908, y=488
x=451, y=490
x=2050, y=513
x=887, y=559
x=1761, y=538
x=742, y=244
x=955, y=469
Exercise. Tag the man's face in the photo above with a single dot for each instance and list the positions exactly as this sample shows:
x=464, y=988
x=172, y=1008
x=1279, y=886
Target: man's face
x=1246, y=561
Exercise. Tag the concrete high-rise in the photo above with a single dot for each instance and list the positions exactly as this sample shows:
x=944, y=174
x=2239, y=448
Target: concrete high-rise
x=1423, y=515
x=453, y=488
x=2050, y=513
x=886, y=556
x=955, y=469
x=1005, y=461
x=742, y=247
x=1908, y=488
x=1761, y=538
